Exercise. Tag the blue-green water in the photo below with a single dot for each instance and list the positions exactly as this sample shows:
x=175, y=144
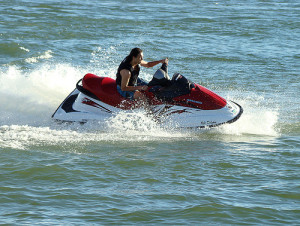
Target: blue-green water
x=129, y=170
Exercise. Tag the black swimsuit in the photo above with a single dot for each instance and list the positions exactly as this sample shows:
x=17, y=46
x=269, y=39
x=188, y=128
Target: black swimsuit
x=125, y=64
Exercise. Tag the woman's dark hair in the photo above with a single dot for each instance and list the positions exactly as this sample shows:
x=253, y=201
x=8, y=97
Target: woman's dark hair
x=133, y=53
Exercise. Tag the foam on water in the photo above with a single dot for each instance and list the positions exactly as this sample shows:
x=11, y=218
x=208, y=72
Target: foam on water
x=114, y=130
x=257, y=118
x=46, y=55
x=28, y=99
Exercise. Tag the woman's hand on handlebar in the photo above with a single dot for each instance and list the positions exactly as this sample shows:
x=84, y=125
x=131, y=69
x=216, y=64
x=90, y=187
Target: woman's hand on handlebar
x=143, y=88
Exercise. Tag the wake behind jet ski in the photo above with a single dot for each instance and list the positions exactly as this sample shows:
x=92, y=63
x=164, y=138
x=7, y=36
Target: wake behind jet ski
x=177, y=100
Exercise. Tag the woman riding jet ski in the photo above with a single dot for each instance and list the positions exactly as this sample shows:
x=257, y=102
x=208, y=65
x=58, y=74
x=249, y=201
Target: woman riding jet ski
x=177, y=100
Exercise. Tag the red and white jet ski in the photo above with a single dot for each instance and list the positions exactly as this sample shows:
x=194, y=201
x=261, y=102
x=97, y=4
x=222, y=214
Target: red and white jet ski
x=177, y=100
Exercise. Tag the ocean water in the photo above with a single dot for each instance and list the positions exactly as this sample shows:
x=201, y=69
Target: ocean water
x=130, y=170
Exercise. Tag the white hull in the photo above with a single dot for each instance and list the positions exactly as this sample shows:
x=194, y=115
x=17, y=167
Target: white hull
x=79, y=107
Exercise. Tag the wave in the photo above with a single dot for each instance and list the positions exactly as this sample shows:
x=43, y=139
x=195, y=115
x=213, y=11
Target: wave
x=46, y=55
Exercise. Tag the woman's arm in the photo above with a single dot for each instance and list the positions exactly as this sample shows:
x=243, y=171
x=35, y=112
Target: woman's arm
x=153, y=63
x=125, y=74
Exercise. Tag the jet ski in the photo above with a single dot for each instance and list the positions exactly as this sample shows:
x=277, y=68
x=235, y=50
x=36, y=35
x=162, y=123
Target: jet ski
x=179, y=101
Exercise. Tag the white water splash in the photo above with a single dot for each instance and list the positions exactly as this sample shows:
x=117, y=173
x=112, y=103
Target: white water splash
x=258, y=117
x=27, y=97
